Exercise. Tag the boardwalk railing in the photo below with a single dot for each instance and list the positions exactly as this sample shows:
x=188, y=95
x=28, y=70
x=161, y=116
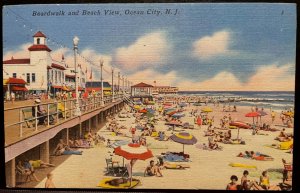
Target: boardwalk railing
x=25, y=120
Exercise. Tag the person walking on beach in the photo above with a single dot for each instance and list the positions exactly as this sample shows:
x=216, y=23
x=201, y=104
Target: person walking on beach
x=273, y=116
x=49, y=183
x=13, y=97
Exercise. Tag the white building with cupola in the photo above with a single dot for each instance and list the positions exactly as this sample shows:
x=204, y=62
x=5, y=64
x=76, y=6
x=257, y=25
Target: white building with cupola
x=40, y=71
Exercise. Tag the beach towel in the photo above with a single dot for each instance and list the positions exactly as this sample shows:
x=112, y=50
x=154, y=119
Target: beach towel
x=154, y=134
x=104, y=184
x=282, y=146
x=176, y=166
x=242, y=165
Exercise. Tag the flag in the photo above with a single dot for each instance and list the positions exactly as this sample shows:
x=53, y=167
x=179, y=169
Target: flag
x=91, y=76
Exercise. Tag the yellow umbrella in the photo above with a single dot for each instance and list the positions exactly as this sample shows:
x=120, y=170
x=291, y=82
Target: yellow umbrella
x=206, y=109
x=137, y=107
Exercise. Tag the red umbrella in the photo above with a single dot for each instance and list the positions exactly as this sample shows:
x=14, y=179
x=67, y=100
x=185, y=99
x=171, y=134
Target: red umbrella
x=133, y=151
x=252, y=114
x=239, y=124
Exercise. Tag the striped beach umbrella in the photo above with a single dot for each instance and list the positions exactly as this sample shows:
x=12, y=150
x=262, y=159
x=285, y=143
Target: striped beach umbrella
x=133, y=151
x=184, y=138
x=239, y=124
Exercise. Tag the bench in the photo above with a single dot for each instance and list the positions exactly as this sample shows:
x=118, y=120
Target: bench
x=30, y=120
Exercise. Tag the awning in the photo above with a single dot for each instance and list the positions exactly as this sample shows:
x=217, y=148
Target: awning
x=57, y=87
x=19, y=88
x=65, y=88
x=15, y=81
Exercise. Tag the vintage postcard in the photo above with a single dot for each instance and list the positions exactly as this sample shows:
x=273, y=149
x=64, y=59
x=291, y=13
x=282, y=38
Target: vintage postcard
x=149, y=96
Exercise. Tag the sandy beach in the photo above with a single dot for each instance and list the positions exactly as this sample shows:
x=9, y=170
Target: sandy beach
x=208, y=169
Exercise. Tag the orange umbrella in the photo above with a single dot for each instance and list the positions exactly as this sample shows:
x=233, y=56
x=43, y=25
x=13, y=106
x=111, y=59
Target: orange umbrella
x=252, y=114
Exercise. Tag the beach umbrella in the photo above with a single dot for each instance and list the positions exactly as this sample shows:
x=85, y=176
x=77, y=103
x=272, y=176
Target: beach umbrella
x=143, y=111
x=182, y=104
x=262, y=113
x=206, y=109
x=150, y=110
x=197, y=104
x=170, y=113
x=173, y=123
x=169, y=109
x=133, y=151
x=252, y=114
x=239, y=124
x=184, y=138
x=178, y=115
x=289, y=113
x=119, y=143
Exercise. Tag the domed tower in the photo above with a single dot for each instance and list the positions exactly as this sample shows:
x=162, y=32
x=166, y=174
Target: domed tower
x=39, y=51
x=40, y=60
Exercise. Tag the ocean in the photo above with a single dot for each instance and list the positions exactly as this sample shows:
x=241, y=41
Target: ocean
x=277, y=100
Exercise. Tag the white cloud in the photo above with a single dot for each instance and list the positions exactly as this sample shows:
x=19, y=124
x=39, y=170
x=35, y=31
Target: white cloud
x=150, y=49
x=222, y=81
x=149, y=76
x=20, y=52
x=266, y=78
x=214, y=45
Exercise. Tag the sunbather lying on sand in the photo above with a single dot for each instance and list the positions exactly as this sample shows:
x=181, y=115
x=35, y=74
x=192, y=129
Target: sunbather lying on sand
x=40, y=164
x=117, y=181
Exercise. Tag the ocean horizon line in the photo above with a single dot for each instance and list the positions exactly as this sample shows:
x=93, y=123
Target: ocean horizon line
x=231, y=91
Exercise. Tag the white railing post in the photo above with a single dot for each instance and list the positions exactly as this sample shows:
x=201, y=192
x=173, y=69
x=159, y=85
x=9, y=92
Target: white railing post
x=71, y=108
x=48, y=116
x=57, y=112
x=36, y=120
x=21, y=124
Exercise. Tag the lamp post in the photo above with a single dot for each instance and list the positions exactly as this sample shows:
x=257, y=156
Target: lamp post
x=77, y=109
x=119, y=83
x=112, y=84
x=102, y=90
x=123, y=87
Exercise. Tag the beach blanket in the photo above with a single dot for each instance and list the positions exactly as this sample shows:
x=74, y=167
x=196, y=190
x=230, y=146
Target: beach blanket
x=104, y=184
x=172, y=157
x=157, y=146
x=242, y=165
x=282, y=146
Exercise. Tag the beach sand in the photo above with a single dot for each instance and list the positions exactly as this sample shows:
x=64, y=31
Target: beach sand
x=208, y=169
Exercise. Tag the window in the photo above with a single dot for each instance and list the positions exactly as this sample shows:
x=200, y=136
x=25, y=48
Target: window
x=28, y=77
x=59, y=76
x=55, y=76
x=33, y=77
x=38, y=41
x=14, y=75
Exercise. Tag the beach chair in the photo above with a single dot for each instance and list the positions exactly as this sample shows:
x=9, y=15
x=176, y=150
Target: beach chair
x=110, y=169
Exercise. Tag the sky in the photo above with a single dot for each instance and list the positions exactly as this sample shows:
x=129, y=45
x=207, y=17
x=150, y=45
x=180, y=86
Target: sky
x=195, y=46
